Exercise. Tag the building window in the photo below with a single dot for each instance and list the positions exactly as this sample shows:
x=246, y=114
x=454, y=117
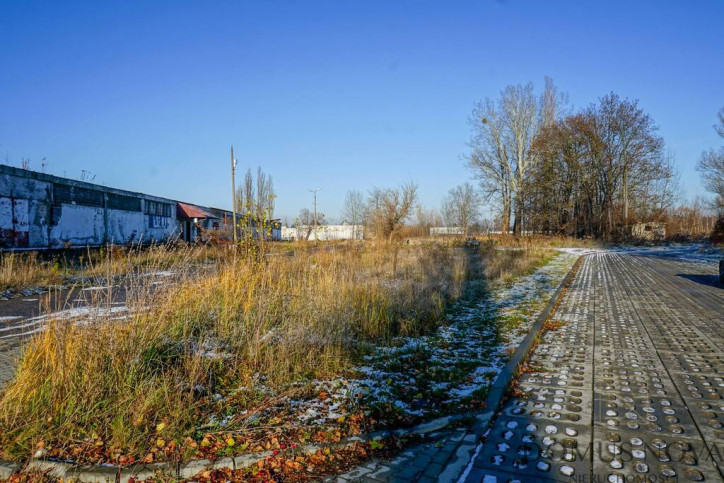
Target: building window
x=158, y=209
x=88, y=197
x=121, y=202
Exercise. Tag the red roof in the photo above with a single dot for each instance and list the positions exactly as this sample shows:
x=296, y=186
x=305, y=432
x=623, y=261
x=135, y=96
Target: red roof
x=184, y=210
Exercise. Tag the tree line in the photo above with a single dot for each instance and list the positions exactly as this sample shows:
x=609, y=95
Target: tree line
x=593, y=172
x=590, y=173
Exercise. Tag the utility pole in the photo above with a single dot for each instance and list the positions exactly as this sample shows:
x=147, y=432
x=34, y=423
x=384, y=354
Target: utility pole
x=233, y=195
x=315, y=191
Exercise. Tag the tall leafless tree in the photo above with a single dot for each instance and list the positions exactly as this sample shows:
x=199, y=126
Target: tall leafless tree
x=501, y=154
x=461, y=207
x=264, y=206
x=711, y=168
x=598, y=170
x=389, y=208
x=256, y=197
x=353, y=209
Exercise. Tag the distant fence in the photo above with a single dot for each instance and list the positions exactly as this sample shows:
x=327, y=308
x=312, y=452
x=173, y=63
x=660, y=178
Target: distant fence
x=324, y=232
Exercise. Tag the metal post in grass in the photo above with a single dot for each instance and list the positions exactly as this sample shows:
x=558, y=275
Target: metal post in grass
x=315, y=191
x=233, y=195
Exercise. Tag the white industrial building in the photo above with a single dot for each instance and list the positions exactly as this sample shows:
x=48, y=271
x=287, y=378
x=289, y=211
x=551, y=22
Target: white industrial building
x=323, y=232
x=446, y=230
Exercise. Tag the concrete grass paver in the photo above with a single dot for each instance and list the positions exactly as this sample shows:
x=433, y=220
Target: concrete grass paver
x=629, y=388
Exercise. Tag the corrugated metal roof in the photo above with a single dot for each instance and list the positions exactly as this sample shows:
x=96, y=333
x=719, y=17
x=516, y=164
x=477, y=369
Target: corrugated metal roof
x=185, y=210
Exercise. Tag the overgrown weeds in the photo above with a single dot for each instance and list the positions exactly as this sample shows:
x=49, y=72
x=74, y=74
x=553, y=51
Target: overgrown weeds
x=18, y=270
x=115, y=386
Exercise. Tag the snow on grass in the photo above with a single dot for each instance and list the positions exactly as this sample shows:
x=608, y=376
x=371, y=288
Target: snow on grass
x=79, y=315
x=449, y=370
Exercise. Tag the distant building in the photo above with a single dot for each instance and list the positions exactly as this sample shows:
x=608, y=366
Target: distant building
x=446, y=230
x=246, y=225
x=650, y=230
x=344, y=231
x=41, y=211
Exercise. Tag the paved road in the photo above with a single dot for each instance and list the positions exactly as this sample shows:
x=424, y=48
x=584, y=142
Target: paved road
x=630, y=387
x=21, y=317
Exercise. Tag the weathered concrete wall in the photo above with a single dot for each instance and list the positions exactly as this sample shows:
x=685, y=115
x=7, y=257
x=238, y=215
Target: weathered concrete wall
x=23, y=209
x=78, y=225
x=126, y=226
x=324, y=232
x=44, y=211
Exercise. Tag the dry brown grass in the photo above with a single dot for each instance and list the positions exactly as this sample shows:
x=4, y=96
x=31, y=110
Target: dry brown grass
x=18, y=270
x=261, y=315
x=29, y=269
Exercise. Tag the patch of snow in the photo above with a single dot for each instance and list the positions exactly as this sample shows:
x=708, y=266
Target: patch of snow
x=469, y=468
x=160, y=273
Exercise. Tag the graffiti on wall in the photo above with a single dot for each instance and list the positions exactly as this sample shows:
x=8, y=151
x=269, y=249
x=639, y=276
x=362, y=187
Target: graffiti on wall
x=14, y=225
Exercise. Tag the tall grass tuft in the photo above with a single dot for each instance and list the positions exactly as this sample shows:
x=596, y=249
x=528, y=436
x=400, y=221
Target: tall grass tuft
x=226, y=321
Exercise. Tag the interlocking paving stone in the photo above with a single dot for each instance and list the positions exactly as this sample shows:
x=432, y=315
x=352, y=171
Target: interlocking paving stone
x=629, y=388
x=9, y=354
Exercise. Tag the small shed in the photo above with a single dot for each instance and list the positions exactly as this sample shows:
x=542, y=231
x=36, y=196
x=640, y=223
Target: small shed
x=193, y=220
x=650, y=230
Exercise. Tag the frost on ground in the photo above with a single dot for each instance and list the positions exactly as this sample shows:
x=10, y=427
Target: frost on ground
x=693, y=253
x=80, y=316
x=688, y=252
x=411, y=380
x=445, y=372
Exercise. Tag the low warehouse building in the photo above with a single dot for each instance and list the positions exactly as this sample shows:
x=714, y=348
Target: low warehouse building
x=39, y=210
x=43, y=211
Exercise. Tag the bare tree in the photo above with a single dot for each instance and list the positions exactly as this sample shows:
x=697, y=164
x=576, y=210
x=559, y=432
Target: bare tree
x=501, y=154
x=598, y=169
x=256, y=197
x=353, y=209
x=264, y=206
x=461, y=207
x=424, y=219
x=719, y=128
x=306, y=221
x=389, y=208
x=245, y=195
x=553, y=104
x=489, y=158
x=711, y=168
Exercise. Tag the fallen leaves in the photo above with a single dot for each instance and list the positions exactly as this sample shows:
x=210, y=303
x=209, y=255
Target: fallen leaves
x=303, y=467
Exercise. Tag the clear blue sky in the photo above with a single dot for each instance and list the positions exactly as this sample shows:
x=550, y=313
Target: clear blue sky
x=149, y=96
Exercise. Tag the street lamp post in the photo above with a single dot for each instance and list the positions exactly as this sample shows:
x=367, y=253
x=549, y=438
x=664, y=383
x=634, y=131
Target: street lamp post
x=315, y=191
x=233, y=194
